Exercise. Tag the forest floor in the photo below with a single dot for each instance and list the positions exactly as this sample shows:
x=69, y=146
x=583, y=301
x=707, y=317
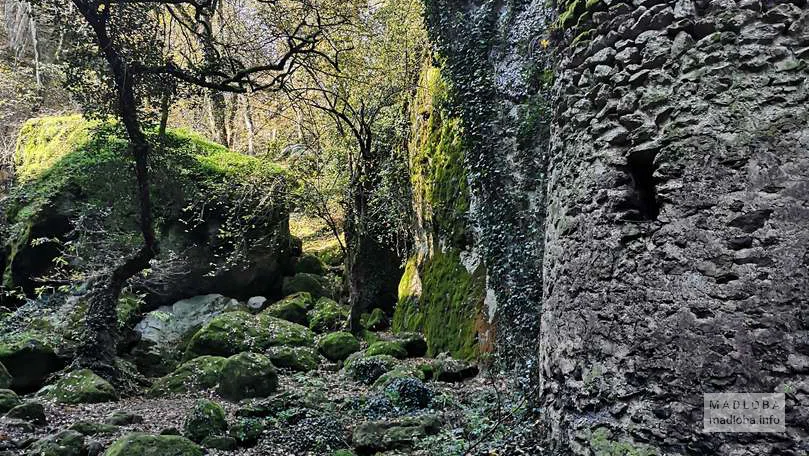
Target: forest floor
x=479, y=416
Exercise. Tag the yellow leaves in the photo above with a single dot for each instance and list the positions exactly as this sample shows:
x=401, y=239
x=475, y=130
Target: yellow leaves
x=101, y=8
x=544, y=43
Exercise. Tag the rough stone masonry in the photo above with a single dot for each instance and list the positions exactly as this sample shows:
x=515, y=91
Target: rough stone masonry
x=677, y=239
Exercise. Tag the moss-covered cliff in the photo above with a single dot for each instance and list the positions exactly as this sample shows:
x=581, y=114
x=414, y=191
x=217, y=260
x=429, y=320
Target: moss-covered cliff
x=438, y=295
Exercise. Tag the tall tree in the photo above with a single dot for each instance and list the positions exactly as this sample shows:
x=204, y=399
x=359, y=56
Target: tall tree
x=122, y=33
x=367, y=103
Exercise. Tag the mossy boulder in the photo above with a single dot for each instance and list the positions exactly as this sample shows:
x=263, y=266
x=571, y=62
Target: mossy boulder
x=328, y=315
x=314, y=284
x=302, y=359
x=206, y=419
x=164, y=333
x=33, y=412
x=197, y=374
x=90, y=428
x=338, y=346
x=235, y=332
x=70, y=169
x=292, y=308
x=29, y=361
x=82, y=387
x=8, y=400
x=65, y=443
x=404, y=371
x=310, y=264
x=138, y=444
x=5, y=377
x=367, y=369
x=376, y=320
x=385, y=347
x=247, y=375
x=220, y=442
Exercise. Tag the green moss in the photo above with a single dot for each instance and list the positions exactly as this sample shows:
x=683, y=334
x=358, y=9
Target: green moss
x=91, y=428
x=338, y=345
x=69, y=167
x=138, y=444
x=394, y=349
x=327, y=315
x=247, y=375
x=602, y=445
x=197, y=374
x=438, y=175
x=82, y=387
x=235, y=332
x=445, y=306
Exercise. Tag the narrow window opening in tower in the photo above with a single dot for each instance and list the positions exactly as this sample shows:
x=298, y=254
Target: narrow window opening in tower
x=644, y=191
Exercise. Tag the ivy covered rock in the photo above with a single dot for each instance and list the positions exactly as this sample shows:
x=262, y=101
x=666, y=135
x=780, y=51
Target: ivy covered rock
x=197, y=374
x=398, y=372
x=408, y=393
x=337, y=346
x=328, y=315
x=310, y=264
x=164, y=333
x=302, y=359
x=65, y=443
x=82, y=387
x=246, y=431
x=314, y=284
x=236, y=332
x=292, y=308
x=206, y=419
x=138, y=444
x=367, y=369
x=8, y=400
x=29, y=362
x=391, y=348
x=5, y=377
x=70, y=170
x=247, y=375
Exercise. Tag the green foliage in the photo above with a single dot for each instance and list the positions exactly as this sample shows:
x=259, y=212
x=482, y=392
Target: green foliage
x=447, y=306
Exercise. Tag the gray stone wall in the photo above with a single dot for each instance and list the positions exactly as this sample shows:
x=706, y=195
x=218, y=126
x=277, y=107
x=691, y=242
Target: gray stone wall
x=677, y=239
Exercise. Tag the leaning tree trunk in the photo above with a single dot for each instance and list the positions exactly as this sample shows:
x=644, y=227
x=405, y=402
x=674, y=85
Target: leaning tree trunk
x=99, y=348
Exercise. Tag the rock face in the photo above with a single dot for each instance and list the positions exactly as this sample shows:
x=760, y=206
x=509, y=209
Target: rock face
x=164, y=332
x=677, y=223
x=638, y=171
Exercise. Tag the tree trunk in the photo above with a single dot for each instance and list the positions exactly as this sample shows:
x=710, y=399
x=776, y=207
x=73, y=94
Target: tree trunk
x=165, y=106
x=248, y=125
x=99, y=348
x=374, y=269
x=216, y=112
